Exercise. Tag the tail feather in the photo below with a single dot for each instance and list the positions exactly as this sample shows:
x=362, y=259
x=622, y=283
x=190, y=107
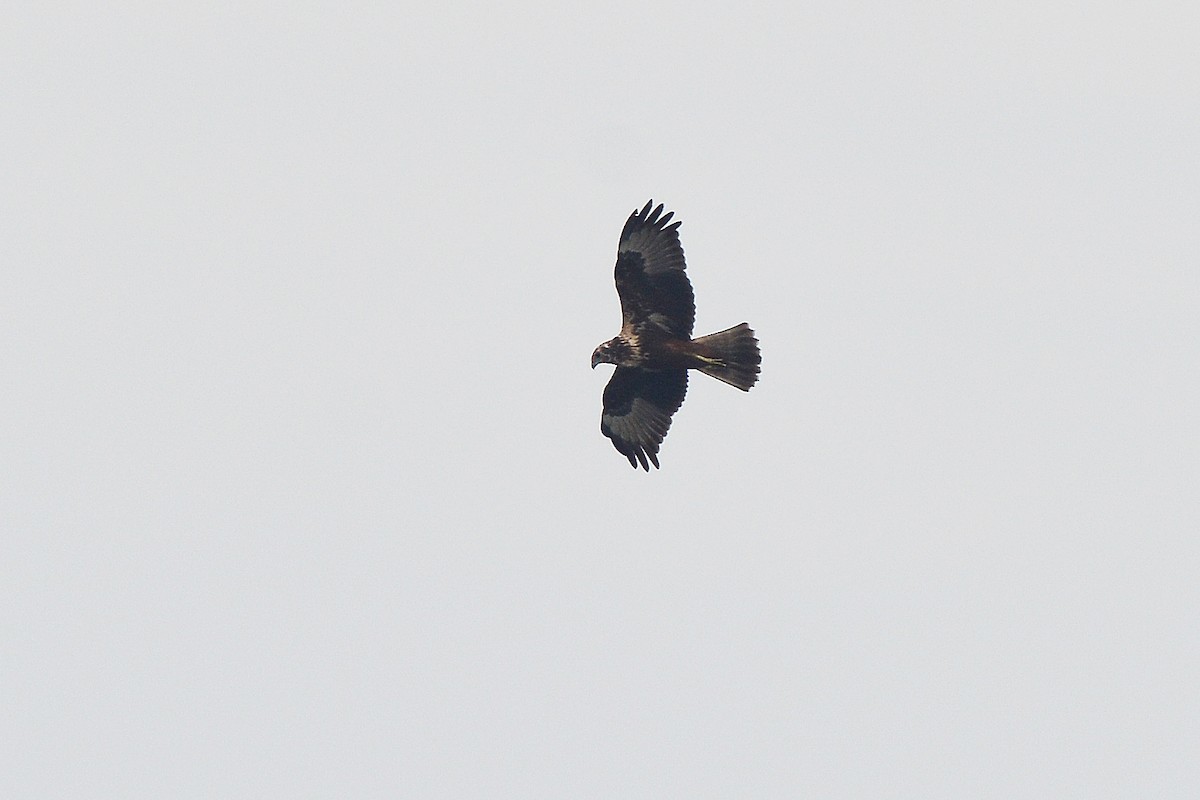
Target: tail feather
x=731, y=356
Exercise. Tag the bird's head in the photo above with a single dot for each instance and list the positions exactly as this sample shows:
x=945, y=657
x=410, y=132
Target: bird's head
x=605, y=353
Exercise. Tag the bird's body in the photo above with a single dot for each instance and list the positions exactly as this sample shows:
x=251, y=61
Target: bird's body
x=655, y=349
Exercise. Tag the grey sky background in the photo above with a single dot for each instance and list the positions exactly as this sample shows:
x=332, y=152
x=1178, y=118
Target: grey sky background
x=303, y=492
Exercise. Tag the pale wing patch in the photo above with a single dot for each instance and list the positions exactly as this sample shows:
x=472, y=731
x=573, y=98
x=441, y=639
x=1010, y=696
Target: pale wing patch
x=662, y=321
x=645, y=424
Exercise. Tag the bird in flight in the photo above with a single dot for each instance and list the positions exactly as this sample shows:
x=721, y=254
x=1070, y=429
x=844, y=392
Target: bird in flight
x=655, y=349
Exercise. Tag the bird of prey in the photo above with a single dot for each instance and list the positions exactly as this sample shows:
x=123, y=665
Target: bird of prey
x=655, y=349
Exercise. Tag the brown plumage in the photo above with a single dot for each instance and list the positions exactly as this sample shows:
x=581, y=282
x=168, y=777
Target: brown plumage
x=655, y=348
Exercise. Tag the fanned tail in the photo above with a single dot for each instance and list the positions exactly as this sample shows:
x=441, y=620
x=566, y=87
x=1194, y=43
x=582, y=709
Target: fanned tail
x=731, y=356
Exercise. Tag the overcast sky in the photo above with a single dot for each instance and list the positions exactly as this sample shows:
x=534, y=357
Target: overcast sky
x=302, y=487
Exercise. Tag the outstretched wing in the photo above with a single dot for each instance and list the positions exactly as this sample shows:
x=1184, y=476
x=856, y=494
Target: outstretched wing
x=650, y=274
x=638, y=405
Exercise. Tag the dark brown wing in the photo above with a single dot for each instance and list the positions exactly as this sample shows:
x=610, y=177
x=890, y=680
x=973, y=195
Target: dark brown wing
x=638, y=405
x=650, y=274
